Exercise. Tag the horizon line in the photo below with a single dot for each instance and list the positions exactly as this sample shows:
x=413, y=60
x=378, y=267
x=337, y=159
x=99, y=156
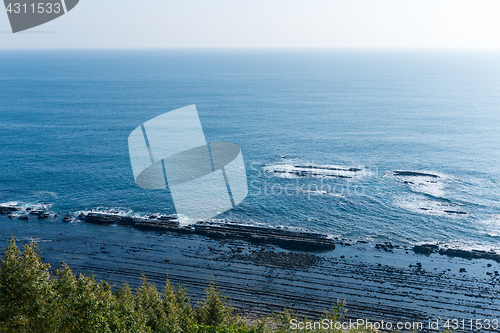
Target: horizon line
x=256, y=48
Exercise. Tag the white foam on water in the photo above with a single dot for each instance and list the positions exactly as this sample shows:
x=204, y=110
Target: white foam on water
x=35, y=240
x=9, y=204
x=45, y=193
x=253, y=223
x=429, y=194
x=434, y=186
x=294, y=170
x=430, y=187
x=26, y=207
x=324, y=193
x=105, y=210
x=119, y=212
x=428, y=206
x=184, y=220
x=491, y=226
x=41, y=206
x=462, y=244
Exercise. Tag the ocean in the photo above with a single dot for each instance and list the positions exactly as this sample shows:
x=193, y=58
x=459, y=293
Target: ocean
x=371, y=145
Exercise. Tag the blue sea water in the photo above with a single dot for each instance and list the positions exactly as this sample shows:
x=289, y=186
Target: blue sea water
x=65, y=117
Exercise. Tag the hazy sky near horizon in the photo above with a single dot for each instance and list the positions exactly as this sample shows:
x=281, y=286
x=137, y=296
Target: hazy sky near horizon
x=263, y=24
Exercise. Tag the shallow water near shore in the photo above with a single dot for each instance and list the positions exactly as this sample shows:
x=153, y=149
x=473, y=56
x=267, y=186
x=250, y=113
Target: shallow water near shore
x=384, y=146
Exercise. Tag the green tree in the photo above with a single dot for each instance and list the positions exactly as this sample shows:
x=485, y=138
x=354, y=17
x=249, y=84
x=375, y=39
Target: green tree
x=128, y=318
x=177, y=307
x=27, y=300
x=215, y=312
x=150, y=305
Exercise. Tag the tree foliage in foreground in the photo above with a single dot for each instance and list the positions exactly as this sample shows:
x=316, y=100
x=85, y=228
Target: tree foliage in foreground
x=34, y=300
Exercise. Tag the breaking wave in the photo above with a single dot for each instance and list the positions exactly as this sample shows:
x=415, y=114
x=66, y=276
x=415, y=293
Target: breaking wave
x=297, y=170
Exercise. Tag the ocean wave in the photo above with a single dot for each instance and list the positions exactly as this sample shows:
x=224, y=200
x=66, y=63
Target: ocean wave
x=53, y=195
x=121, y=212
x=428, y=183
x=253, y=223
x=16, y=209
x=462, y=245
x=322, y=193
x=35, y=240
x=491, y=226
x=300, y=170
x=431, y=206
x=431, y=193
x=9, y=204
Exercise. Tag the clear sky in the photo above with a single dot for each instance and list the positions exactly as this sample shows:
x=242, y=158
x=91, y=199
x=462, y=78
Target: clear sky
x=266, y=23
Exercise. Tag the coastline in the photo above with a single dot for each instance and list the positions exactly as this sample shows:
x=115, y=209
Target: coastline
x=385, y=283
x=290, y=239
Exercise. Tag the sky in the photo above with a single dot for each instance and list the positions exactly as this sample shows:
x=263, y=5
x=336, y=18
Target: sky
x=472, y=24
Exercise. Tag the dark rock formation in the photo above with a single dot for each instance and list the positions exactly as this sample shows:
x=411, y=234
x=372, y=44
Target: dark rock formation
x=306, y=173
x=327, y=168
x=455, y=212
x=101, y=218
x=9, y=209
x=386, y=246
x=68, y=218
x=474, y=254
x=426, y=249
x=43, y=215
x=413, y=174
x=283, y=238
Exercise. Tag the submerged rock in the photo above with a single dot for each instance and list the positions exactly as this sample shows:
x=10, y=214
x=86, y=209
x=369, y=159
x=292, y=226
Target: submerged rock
x=455, y=212
x=327, y=168
x=304, y=173
x=414, y=174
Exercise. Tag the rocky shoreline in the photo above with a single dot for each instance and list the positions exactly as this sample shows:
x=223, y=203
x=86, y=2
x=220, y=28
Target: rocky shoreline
x=428, y=249
x=286, y=239
x=385, y=281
